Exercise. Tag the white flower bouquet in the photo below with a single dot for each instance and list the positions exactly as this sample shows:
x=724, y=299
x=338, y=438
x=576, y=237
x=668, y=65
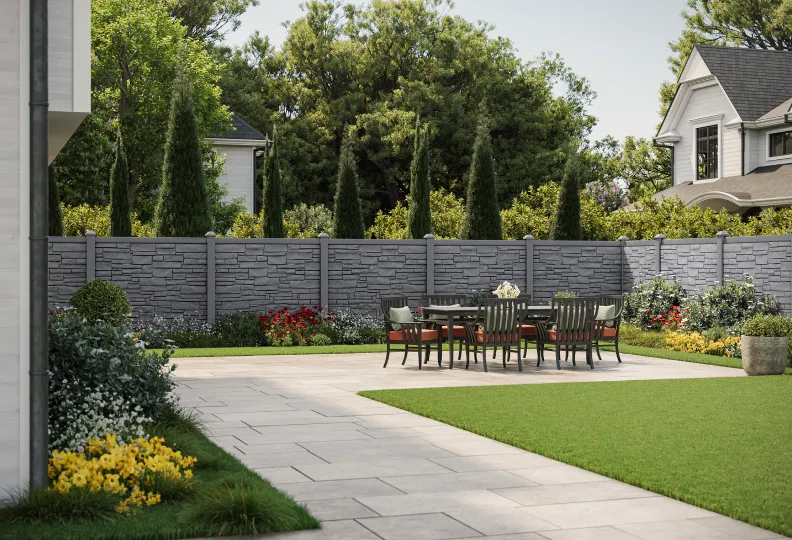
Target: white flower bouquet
x=507, y=290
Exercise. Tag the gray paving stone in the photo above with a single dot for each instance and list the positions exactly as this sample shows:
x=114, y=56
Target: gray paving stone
x=350, y=470
x=736, y=528
x=331, y=530
x=374, y=450
x=589, y=533
x=281, y=459
x=495, y=521
x=568, y=493
x=281, y=475
x=515, y=461
x=419, y=527
x=428, y=483
x=679, y=529
x=558, y=474
x=335, y=509
x=340, y=489
x=417, y=503
x=471, y=445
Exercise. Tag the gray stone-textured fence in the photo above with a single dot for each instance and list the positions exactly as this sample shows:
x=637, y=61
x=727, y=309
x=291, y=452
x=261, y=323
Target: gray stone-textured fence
x=207, y=277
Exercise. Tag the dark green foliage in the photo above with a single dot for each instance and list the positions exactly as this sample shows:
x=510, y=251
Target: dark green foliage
x=419, y=220
x=650, y=299
x=348, y=217
x=239, y=330
x=237, y=506
x=767, y=326
x=236, y=330
x=102, y=300
x=728, y=305
x=49, y=506
x=272, y=202
x=120, y=212
x=566, y=224
x=482, y=219
x=183, y=208
x=54, y=210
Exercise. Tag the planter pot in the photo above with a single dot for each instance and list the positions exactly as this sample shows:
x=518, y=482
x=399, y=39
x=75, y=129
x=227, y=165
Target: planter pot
x=764, y=355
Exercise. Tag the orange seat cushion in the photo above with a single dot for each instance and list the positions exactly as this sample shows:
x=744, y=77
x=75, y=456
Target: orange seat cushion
x=608, y=332
x=527, y=330
x=553, y=335
x=459, y=331
x=493, y=339
x=426, y=335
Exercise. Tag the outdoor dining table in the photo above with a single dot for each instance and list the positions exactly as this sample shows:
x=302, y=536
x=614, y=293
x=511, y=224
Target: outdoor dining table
x=452, y=313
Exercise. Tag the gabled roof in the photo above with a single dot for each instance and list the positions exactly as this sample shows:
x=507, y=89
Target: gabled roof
x=764, y=186
x=781, y=110
x=240, y=130
x=755, y=80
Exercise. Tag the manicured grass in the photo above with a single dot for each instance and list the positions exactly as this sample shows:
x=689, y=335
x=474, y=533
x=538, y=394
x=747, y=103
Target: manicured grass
x=721, y=444
x=220, y=479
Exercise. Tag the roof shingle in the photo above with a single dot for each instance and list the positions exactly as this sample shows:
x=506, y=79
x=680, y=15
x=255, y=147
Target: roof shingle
x=240, y=130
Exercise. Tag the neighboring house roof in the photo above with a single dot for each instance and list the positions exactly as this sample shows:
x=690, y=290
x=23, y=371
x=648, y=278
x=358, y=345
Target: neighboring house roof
x=781, y=110
x=240, y=130
x=755, y=80
x=764, y=186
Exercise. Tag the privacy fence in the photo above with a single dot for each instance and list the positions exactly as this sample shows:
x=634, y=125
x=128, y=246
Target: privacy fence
x=207, y=277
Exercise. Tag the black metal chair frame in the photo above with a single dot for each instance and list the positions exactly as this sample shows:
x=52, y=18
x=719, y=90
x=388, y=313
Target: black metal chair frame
x=573, y=319
x=500, y=320
x=443, y=300
x=615, y=322
x=411, y=333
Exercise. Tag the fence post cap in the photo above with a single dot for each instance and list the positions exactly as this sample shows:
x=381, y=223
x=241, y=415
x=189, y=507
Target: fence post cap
x=528, y=237
x=722, y=234
x=623, y=238
x=660, y=236
x=90, y=233
x=324, y=235
x=429, y=236
x=210, y=234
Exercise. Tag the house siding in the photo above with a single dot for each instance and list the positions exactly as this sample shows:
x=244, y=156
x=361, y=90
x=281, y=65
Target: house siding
x=238, y=173
x=757, y=140
x=704, y=102
x=12, y=183
x=61, y=55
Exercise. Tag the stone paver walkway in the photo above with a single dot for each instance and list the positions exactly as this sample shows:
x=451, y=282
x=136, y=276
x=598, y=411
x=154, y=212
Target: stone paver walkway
x=371, y=471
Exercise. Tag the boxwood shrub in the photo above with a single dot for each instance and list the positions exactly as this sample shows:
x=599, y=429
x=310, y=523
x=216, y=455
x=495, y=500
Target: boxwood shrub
x=102, y=300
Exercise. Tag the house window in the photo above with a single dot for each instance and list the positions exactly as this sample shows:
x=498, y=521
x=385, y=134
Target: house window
x=780, y=144
x=707, y=152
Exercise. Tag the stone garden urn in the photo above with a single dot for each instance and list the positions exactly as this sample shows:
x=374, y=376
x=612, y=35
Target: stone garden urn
x=763, y=355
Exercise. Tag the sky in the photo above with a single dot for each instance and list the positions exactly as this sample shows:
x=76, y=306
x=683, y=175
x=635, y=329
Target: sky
x=620, y=46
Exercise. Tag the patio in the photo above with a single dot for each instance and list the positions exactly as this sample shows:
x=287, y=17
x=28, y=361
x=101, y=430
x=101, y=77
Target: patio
x=371, y=471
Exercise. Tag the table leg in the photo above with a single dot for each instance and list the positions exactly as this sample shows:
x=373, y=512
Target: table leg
x=450, y=341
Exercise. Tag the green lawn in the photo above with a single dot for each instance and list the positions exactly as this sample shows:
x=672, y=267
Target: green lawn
x=215, y=475
x=721, y=444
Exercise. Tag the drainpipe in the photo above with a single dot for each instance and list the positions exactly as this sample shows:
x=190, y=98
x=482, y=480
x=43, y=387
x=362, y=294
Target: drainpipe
x=668, y=147
x=742, y=149
x=39, y=346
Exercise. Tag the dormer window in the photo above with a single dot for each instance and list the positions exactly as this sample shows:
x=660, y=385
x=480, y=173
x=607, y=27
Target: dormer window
x=707, y=152
x=781, y=143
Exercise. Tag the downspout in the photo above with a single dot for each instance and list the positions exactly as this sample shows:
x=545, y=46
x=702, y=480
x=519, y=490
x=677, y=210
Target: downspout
x=39, y=346
x=668, y=147
x=742, y=149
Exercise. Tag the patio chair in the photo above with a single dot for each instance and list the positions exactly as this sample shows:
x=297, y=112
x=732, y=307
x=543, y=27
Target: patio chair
x=497, y=324
x=608, y=321
x=570, y=326
x=408, y=333
x=437, y=321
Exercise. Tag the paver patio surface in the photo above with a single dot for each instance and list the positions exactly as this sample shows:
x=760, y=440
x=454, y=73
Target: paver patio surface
x=371, y=471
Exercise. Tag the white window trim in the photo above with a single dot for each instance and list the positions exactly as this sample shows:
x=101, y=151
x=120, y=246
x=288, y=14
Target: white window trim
x=782, y=157
x=703, y=121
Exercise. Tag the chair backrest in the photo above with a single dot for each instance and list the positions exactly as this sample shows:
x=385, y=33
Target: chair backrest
x=443, y=299
x=500, y=319
x=613, y=300
x=574, y=318
x=387, y=302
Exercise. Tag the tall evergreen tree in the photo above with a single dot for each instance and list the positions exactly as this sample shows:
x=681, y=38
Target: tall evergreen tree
x=482, y=219
x=120, y=219
x=272, y=202
x=347, y=215
x=419, y=222
x=183, y=208
x=566, y=224
x=55, y=215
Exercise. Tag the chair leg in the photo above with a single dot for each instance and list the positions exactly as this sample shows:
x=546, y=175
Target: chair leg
x=494, y=352
x=590, y=356
x=506, y=356
x=440, y=351
x=558, y=357
x=566, y=358
x=406, y=350
x=387, y=353
x=426, y=354
x=484, y=356
x=475, y=353
x=519, y=358
x=467, y=355
x=574, y=350
x=459, y=354
x=420, y=353
x=617, y=351
x=596, y=345
x=539, y=353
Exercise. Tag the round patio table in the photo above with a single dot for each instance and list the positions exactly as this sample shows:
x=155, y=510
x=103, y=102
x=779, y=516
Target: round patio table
x=452, y=313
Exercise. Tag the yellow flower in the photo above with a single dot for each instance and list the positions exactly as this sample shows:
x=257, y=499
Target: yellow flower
x=107, y=461
x=80, y=478
x=188, y=474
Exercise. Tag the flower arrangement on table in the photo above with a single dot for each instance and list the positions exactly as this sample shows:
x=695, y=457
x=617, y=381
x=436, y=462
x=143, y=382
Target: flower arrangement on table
x=131, y=470
x=507, y=290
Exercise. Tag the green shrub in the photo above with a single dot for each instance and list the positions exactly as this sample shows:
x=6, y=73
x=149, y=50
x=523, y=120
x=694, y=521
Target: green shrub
x=767, y=326
x=650, y=299
x=717, y=333
x=320, y=340
x=728, y=304
x=632, y=335
x=50, y=506
x=102, y=300
x=102, y=378
x=565, y=294
x=239, y=330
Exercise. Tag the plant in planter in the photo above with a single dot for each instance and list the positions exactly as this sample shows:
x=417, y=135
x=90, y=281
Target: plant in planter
x=765, y=343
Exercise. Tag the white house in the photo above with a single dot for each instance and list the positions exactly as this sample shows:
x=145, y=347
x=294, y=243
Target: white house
x=730, y=129
x=69, y=70
x=239, y=145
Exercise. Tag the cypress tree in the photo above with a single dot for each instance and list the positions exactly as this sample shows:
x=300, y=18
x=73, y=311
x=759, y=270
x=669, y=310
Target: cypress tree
x=347, y=215
x=482, y=219
x=183, y=208
x=120, y=219
x=419, y=221
x=272, y=201
x=55, y=215
x=566, y=224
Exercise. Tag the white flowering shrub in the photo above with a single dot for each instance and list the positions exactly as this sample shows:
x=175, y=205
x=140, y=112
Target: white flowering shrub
x=102, y=375
x=507, y=290
x=728, y=304
x=348, y=328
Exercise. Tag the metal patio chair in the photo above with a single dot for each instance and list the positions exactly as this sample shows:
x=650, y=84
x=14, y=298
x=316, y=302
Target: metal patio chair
x=608, y=329
x=408, y=333
x=571, y=326
x=497, y=325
